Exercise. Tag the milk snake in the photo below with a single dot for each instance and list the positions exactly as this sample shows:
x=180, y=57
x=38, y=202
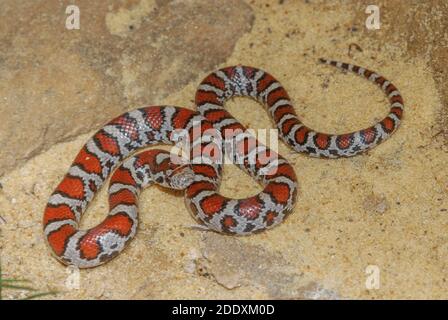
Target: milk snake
x=201, y=175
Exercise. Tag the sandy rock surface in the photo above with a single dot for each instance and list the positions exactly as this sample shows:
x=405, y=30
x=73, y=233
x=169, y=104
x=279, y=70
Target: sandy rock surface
x=386, y=210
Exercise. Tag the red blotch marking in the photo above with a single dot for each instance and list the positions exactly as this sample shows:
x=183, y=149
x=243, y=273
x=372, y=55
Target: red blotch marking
x=367, y=73
x=217, y=115
x=249, y=71
x=397, y=111
x=270, y=217
x=88, y=245
x=287, y=125
x=388, y=124
x=380, y=80
x=228, y=222
x=281, y=111
x=229, y=71
x=301, y=134
x=122, y=197
x=390, y=88
x=344, y=141
x=215, y=81
x=147, y=157
x=62, y=212
x=279, y=191
x=205, y=126
x=250, y=208
x=107, y=144
x=228, y=131
x=265, y=82
x=396, y=99
x=58, y=239
x=198, y=129
x=72, y=186
x=120, y=223
x=199, y=186
x=89, y=162
x=181, y=118
x=205, y=170
x=127, y=125
x=275, y=95
x=122, y=176
x=154, y=117
x=322, y=140
x=212, y=204
x=368, y=135
x=122, y=121
x=283, y=170
x=207, y=96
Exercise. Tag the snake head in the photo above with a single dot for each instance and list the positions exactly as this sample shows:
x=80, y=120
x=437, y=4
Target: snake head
x=181, y=177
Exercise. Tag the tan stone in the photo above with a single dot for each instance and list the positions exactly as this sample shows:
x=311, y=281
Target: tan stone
x=56, y=83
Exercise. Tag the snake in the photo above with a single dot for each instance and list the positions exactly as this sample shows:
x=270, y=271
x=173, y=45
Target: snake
x=208, y=134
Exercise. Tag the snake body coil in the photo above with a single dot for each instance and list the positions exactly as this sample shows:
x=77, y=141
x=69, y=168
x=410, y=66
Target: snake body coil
x=134, y=130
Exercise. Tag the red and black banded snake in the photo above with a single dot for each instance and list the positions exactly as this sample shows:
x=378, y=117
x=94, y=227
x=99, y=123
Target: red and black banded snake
x=109, y=149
